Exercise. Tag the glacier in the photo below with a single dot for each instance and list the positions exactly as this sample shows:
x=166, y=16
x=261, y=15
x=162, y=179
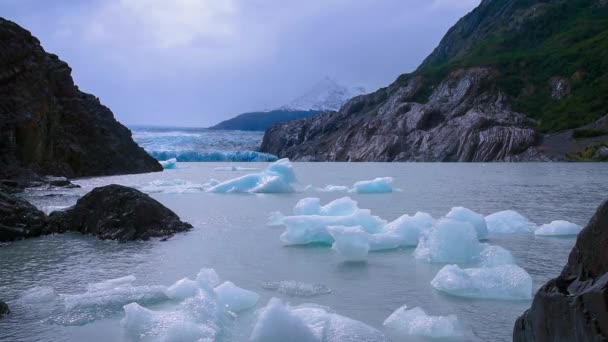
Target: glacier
x=214, y=156
x=509, y=282
x=509, y=222
x=404, y=322
x=559, y=228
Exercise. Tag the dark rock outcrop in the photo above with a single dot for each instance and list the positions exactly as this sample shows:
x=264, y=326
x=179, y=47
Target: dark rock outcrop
x=48, y=126
x=574, y=306
x=261, y=121
x=19, y=219
x=118, y=213
x=462, y=121
x=4, y=309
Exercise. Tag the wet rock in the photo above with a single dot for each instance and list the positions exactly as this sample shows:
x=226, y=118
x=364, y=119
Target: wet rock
x=4, y=309
x=117, y=212
x=19, y=219
x=573, y=306
x=60, y=182
x=48, y=126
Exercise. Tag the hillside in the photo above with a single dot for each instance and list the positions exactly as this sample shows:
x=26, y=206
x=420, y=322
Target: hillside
x=503, y=80
x=261, y=121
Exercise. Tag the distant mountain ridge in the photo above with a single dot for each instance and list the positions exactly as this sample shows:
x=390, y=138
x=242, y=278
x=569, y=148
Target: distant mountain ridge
x=325, y=95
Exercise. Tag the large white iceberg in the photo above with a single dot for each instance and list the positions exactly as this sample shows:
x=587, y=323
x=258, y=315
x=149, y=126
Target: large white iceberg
x=475, y=219
x=278, y=322
x=450, y=241
x=278, y=177
x=374, y=186
x=508, y=222
x=404, y=323
x=499, y=282
x=559, y=228
x=351, y=243
x=235, y=298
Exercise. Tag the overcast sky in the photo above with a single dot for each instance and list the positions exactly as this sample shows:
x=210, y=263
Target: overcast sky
x=197, y=62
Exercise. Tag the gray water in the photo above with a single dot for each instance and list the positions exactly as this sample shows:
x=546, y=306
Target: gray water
x=231, y=235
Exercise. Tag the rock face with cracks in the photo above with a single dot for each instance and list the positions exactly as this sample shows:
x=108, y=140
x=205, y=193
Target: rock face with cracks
x=573, y=306
x=118, y=213
x=19, y=219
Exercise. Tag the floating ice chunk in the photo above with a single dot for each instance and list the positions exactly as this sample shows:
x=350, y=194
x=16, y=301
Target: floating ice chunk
x=308, y=206
x=182, y=289
x=277, y=178
x=335, y=188
x=415, y=322
x=403, y=232
x=207, y=279
x=468, y=215
x=351, y=243
x=174, y=186
x=449, y=241
x=378, y=185
x=275, y=218
x=38, y=295
x=559, y=228
x=500, y=282
x=235, y=298
x=118, y=296
x=276, y=323
x=235, y=168
x=169, y=164
x=508, y=222
x=495, y=256
x=339, y=207
x=296, y=289
x=111, y=283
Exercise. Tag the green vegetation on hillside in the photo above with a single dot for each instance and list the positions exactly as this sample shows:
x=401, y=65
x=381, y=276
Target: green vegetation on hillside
x=565, y=39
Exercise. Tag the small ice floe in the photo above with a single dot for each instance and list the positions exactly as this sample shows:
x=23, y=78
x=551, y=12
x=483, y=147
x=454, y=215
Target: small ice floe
x=509, y=222
x=378, y=185
x=169, y=164
x=278, y=177
x=278, y=322
x=173, y=186
x=449, y=241
x=38, y=295
x=405, y=323
x=475, y=219
x=559, y=228
x=235, y=168
x=296, y=289
x=351, y=243
x=234, y=298
x=498, y=282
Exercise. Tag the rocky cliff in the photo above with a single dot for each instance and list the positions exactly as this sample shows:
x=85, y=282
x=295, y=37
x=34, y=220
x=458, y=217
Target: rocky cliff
x=505, y=76
x=48, y=126
x=574, y=306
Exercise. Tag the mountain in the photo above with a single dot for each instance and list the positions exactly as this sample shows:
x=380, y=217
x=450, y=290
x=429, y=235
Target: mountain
x=512, y=80
x=48, y=126
x=325, y=95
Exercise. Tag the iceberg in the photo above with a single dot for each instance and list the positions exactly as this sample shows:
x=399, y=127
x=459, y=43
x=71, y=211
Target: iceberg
x=182, y=289
x=351, y=243
x=559, y=228
x=495, y=256
x=169, y=164
x=475, y=219
x=335, y=188
x=234, y=298
x=38, y=295
x=509, y=282
x=278, y=322
x=278, y=177
x=174, y=186
x=508, y=222
x=207, y=279
x=404, y=323
x=402, y=232
x=296, y=289
x=374, y=186
x=449, y=241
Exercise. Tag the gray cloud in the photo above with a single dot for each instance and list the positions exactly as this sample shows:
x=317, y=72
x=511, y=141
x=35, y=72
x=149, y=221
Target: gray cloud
x=196, y=62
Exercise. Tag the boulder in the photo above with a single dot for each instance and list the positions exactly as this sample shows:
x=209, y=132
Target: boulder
x=4, y=309
x=19, y=219
x=117, y=212
x=573, y=306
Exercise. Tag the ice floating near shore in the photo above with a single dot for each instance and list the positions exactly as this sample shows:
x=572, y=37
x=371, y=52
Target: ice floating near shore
x=475, y=219
x=235, y=168
x=508, y=222
x=559, y=228
x=278, y=177
x=351, y=243
x=500, y=282
x=449, y=241
x=174, y=186
x=311, y=222
x=296, y=289
x=374, y=186
x=169, y=164
x=404, y=323
x=234, y=298
x=278, y=322
x=402, y=232
x=38, y=295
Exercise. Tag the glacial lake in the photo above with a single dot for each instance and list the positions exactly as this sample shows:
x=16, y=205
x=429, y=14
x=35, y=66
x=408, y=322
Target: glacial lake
x=231, y=235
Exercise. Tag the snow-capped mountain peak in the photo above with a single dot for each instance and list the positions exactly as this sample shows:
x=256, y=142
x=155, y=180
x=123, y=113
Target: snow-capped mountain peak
x=325, y=95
